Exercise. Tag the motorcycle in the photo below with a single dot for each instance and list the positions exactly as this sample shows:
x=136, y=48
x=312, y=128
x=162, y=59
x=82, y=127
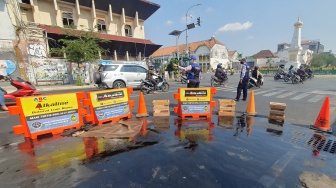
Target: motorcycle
x=184, y=79
x=297, y=78
x=310, y=75
x=24, y=88
x=147, y=86
x=278, y=76
x=253, y=82
x=217, y=82
x=287, y=77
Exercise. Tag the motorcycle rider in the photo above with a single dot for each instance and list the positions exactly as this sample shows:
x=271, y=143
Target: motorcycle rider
x=2, y=94
x=309, y=71
x=290, y=70
x=220, y=73
x=281, y=70
x=149, y=76
x=257, y=75
x=301, y=73
x=193, y=73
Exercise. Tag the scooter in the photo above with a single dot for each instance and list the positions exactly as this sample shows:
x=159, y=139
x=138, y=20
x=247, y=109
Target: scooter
x=24, y=88
x=215, y=82
x=184, y=79
x=147, y=86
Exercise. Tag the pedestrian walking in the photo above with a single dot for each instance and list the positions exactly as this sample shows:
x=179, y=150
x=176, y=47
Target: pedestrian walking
x=244, y=77
x=193, y=72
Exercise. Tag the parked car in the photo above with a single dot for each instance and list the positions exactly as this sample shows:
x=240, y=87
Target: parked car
x=119, y=75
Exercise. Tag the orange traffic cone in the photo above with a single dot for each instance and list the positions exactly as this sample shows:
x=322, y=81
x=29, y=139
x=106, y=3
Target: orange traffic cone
x=323, y=119
x=250, y=110
x=142, y=111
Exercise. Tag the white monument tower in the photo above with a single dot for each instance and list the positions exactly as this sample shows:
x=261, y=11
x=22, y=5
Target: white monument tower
x=295, y=48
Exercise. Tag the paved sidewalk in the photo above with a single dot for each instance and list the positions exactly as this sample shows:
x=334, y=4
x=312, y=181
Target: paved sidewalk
x=10, y=89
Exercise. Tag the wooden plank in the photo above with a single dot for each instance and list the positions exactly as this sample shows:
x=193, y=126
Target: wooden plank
x=277, y=112
x=279, y=106
x=221, y=113
x=276, y=117
x=161, y=102
x=221, y=108
x=226, y=102
x=161, y=108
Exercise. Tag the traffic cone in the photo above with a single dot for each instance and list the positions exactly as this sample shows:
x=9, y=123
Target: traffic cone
x=142, y=111
x=322, y=122
x=250, y=110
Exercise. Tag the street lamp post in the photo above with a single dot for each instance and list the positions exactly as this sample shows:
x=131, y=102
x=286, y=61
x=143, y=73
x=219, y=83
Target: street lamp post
x=177, y=33
x=187, y=48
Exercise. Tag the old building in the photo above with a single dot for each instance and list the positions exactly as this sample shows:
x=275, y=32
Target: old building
x=41, y=23
x=210, y=53
x=264, y=58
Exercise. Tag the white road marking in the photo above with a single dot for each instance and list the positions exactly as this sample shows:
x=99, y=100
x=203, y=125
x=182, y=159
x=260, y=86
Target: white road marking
x=323, y=92
x=298, y=97
x=273, y=93
x=260, y=92
x=286, y=94
x=316, y=98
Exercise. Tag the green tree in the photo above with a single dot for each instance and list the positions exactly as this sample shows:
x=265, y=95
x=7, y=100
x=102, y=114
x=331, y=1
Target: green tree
x=240, y=56
x=172, y=66
x=80, y=46
x=269, y=62
x=323, y=60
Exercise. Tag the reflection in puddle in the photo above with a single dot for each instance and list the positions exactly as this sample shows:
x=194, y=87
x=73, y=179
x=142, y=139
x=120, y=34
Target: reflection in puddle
x=193, y=130
x=244, y=121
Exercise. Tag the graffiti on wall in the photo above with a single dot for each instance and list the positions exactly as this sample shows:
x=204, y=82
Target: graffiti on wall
x=47, y=69
x=37, y=50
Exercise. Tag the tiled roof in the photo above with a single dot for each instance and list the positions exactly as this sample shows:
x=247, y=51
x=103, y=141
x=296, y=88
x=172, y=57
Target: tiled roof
x=192, y=46
x=58, y=30
x=231, y=53
x=265, y=54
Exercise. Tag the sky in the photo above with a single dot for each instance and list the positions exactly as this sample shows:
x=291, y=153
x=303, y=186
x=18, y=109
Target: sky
x=247, y=26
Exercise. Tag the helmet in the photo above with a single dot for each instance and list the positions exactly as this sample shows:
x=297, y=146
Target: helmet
x=301, y=67
x=256, y=67
x=282, y=66
x=151, y=67
x=219, y=65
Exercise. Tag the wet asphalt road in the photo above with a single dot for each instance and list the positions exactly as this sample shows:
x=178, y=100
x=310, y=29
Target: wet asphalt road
x=185, y=153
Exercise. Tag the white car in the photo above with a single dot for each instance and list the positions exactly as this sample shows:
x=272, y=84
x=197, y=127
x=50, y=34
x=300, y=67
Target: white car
x=120, y=75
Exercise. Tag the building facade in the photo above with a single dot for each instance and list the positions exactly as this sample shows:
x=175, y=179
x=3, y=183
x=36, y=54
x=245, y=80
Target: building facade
x=40, y=24
x=210, y=53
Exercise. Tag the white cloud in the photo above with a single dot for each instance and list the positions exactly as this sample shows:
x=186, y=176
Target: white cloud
x=231, y=27
x=169, y=23
x=208, y=10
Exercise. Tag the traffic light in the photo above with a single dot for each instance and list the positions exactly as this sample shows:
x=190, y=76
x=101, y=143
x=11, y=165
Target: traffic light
x=199, y=21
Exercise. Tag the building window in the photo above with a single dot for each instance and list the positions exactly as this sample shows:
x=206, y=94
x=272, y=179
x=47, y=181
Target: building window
x=101, y=25
x=128, y=31
x=67, y=19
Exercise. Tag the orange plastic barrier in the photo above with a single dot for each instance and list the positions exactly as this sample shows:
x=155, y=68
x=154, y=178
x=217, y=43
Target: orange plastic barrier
x=194, y=102
x=109, y=105
x=47, y=114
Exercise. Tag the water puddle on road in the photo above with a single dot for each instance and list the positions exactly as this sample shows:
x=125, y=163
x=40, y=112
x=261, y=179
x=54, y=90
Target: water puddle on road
x=218, y=152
